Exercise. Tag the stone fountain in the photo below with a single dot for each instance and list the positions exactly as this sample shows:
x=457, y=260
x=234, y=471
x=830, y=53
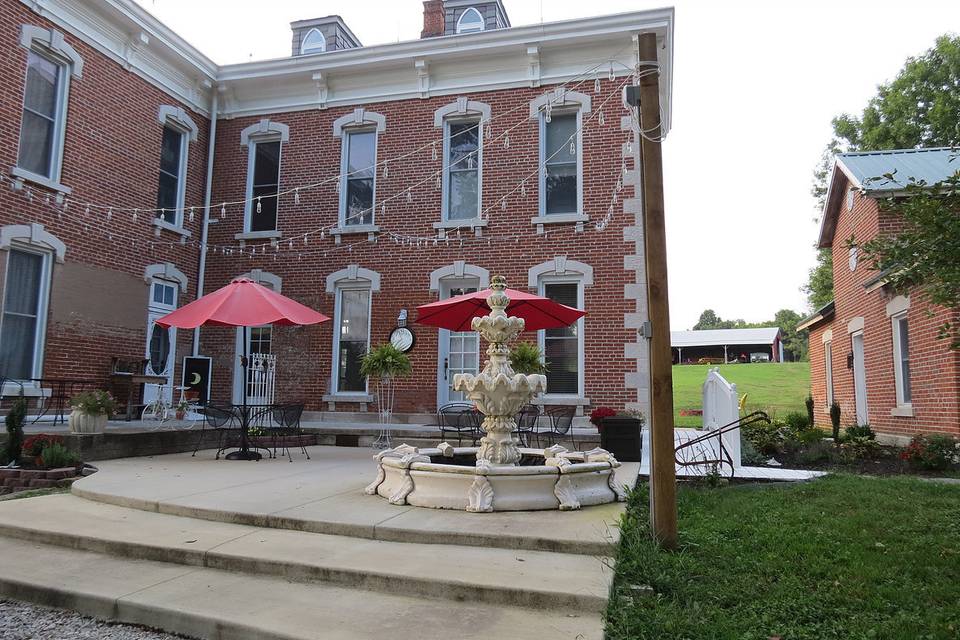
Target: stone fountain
x=498, y=475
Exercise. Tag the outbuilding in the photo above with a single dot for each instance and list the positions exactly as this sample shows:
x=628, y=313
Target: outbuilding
x=727, y=345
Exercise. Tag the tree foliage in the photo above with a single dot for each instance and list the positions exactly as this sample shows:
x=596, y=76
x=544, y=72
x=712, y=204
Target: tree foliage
x=819, y=287
x=794, y=342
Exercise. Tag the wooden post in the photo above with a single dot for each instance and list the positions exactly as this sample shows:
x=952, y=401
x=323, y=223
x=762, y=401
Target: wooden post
x=663, y=477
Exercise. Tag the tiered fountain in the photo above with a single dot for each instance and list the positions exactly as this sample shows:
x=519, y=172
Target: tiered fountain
x=499, y=475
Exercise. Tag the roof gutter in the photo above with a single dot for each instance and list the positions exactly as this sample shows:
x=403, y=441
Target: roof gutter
x=208, y=190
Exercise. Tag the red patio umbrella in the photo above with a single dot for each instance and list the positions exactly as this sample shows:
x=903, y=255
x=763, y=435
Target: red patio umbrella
x=242, y=303
x=456, y=313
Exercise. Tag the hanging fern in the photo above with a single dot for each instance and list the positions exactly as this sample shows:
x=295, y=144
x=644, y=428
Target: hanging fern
x=385, y=361
x=527, y=358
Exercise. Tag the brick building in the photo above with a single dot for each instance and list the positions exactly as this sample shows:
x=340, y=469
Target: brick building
x=359, y=180
x=873, y=350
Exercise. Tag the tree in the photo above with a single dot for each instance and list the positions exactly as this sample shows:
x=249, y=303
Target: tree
x=794, y=342
x=819, y=287
x=708, y=320
x=925, y=253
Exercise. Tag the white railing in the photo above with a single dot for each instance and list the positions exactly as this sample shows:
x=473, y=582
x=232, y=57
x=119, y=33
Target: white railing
x=262, y=378
x=721, y=407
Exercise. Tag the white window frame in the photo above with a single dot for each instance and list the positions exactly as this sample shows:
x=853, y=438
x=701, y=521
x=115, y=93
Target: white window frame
x=560, y=111
x=895, y=321
x=43, y=303
x=445, y=205
x=828, y=370
x=313, y=48
x=542, y=283
x=181, y=175
x=250, y=203
x=344, y=164
x=337, y=318
x=471, y=11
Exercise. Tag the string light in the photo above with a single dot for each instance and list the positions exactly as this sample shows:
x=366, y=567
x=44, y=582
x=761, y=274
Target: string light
x=296, y=196
x=434, y=151
x=223, y=210
x=259, y=205
x=386, y=170
x=191, y=214
x=596, y=84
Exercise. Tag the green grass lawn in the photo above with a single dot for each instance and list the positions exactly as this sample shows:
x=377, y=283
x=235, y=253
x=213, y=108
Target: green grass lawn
x=772, y=387
x=844, y=557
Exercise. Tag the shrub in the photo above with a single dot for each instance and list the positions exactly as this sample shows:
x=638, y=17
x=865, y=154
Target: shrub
x=527, y=358
x=749, y=455
x=809, y=403
x=765, y=438
x=934, y=453
x=14, y=420
x=797, y=421
x=94, y=403
x=835, y=421
x=34, y=445
x=861, y=449
x=598, y=414
x=860, y=431
x=55, y=455
x=815, y=452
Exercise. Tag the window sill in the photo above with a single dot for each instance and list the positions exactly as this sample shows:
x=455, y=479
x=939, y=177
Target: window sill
x=258, y=235
x=903, y=411
x=357, y=229
x=29, y=176
x=160, y=223
x=473, y=224
x=30, y=390
x=560, y=218
x=561, y=401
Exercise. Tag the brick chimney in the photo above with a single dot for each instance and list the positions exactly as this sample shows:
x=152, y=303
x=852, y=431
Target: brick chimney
x=433, y=19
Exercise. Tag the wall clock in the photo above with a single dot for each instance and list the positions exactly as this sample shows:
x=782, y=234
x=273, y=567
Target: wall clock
x=402, y=338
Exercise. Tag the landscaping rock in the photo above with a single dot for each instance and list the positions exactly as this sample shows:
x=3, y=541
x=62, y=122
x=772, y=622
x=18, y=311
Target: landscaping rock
x=42, y=483
x=23, y=621
x=60, y=474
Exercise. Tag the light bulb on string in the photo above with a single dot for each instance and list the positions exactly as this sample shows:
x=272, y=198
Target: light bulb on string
x=337, y=187
x=489, y=130
x=409, y=195
x=259, y=205
x=386, y=170
x=613, y=75
x=439, y=183
x=296, y=196
x=322, y=234
x=596, y=84
x=523, y=188
x=29, y=195
x=503, y=204
x=109, y=213
x=191, y=214
x=506, y=141
x=223, y=210
x=573, y=147
x=549, y=112
x=433, y=149
x=86, y=211
x=135, y=211
x=601, y=119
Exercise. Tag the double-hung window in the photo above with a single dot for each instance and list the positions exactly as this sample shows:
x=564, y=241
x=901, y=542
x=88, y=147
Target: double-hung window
x=263, y=185
x=563, y=348
x=23, y=322
x=359, y=177
x=462, y=144
x=560, y=163
x=901, y=359
x=44, y=112
x=352, y=339
x=173, y=166
x=828, y=369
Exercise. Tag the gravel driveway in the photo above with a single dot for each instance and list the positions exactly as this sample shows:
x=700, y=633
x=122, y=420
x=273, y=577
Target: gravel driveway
x=22, y=621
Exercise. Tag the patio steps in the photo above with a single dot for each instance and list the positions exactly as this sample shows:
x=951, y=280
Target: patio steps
x=179, y=574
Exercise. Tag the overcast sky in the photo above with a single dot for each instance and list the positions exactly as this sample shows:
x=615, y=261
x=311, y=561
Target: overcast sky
x=755, y=87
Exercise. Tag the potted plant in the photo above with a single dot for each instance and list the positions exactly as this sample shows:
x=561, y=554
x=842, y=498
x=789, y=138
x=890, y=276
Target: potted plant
x=621, y=435
x=385, y=363
x=527, y=358
x=90, y=411
x=16, y=416
x=597, y=416
x=181, y=410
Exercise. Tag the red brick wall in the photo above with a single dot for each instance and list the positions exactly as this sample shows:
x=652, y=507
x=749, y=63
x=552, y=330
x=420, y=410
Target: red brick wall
x=509, y=246
x=934, y=368
x=111, y=155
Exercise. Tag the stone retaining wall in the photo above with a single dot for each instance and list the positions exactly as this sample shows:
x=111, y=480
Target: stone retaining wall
x=13, y=480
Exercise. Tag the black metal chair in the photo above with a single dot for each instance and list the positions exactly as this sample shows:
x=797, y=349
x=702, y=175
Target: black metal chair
x=286, y=424
x=561, y=425
x=527, y=421
x=222, y=421
x=460, y=418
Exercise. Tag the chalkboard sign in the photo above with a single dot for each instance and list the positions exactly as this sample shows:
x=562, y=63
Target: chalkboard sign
x=196, y=376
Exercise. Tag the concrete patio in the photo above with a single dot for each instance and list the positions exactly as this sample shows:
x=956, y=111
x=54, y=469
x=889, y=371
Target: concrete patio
x=296, y=550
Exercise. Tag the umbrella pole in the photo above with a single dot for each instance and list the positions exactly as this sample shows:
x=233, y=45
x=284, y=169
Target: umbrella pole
x=244, y=453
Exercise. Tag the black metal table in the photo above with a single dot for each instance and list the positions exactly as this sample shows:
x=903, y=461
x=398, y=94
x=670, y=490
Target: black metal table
x=247, y=413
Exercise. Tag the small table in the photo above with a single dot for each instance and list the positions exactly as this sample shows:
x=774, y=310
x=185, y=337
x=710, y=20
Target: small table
x=61, y=390
x=132, y=381
x=246, y=413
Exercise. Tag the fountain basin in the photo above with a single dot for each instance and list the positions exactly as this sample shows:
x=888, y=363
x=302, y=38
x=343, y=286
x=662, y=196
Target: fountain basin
x=429, y=477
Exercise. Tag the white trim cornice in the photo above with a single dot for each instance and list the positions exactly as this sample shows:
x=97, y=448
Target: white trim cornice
x=358, y=118
x=560, y=98
x=264, y=277
x=33, y=235
x=52, y=40
x=263, y=129
x=459, y=269
x=354, y=275
x=461, y=107
x=560, y=266
x=180, y=117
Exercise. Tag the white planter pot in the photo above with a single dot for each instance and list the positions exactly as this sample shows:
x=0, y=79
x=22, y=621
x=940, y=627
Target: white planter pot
x=87, y=423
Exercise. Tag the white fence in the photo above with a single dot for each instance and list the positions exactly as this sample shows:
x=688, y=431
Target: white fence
x=262, y=378
x=721, y=406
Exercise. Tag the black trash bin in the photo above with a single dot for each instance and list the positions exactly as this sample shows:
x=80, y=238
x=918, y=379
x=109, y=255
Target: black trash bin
x=621, y=436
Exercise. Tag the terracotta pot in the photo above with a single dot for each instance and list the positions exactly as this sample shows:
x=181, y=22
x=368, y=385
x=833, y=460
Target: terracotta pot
x=181, y=414
x=87, y=423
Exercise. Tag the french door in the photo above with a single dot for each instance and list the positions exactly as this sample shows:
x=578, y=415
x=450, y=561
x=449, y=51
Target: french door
x=459, y=351
x=161, y=347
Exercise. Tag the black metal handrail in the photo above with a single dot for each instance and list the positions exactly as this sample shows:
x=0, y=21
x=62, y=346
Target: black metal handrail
x=725, y=457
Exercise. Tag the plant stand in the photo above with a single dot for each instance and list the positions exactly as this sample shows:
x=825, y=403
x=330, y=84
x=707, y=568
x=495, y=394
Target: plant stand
x=385, y=396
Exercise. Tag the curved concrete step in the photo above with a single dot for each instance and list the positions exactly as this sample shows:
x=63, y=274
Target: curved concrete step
x=536, y=579
x=221, y=605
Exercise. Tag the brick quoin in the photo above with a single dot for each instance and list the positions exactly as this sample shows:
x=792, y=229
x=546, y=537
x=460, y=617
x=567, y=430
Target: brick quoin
x=112, y=155
x=934, y=368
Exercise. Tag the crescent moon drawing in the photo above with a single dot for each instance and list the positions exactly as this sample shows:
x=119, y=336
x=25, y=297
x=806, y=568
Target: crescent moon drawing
x=195, y=379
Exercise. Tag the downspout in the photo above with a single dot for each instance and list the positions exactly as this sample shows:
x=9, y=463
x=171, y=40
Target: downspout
x=202, y=269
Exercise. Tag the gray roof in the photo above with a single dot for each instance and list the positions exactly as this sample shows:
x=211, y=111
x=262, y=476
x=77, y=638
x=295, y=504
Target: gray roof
x=721, y=337
x=866, y=168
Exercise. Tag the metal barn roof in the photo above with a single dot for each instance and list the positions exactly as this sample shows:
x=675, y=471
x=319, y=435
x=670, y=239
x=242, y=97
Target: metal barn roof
x=906, y=165
x=721, y=337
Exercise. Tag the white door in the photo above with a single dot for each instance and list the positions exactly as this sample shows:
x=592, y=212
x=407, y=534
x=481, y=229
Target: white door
x=459, y=351
x=859, y=379
x=259, y=340
x=161, y=347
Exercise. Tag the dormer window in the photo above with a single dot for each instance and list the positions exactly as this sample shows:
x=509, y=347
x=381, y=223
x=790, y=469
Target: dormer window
x=470, y=21
x=313, y=42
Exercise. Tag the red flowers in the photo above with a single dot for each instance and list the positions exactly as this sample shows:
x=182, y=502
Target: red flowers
x=598, y=414
x=34, y=445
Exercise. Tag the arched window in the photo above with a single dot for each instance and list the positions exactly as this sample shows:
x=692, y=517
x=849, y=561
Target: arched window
x=313, y=42
x=470, y=21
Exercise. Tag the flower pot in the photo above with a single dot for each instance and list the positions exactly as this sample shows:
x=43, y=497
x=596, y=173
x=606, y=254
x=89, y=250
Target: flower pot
x=621, y=436
x=181, y=414
x=81, y=422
